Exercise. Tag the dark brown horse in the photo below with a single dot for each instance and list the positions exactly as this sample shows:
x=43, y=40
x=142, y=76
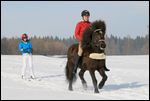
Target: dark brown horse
x=93, y=42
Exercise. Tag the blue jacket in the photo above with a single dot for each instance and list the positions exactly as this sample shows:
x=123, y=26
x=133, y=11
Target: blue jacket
x=25, y=47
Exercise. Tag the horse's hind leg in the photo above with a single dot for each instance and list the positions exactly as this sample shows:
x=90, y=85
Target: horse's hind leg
x=70, y=86
x=70, y=75
x=81, y=74
x=94, y=81
x=104, y=78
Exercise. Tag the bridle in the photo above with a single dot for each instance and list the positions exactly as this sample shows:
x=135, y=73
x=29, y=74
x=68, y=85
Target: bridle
x=100, y=40
x=99, y=31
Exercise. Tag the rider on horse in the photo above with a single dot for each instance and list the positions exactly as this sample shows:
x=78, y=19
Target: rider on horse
x=80, y=27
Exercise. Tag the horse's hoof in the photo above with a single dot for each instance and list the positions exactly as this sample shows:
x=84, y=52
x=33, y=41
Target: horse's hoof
x=96, y=91
x=70, y=89
x=101, y=85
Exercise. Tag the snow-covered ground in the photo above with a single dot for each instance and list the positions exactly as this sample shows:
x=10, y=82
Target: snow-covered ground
x=128, y=79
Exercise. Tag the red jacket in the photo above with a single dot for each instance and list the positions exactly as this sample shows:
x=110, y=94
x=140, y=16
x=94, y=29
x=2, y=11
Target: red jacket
x=80, y=27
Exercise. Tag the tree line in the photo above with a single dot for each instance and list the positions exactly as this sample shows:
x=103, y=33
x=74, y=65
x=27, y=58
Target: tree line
x=49, y=45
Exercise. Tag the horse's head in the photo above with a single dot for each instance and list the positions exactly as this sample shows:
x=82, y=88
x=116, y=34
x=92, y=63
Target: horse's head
x=94, y=36
x=98, y=40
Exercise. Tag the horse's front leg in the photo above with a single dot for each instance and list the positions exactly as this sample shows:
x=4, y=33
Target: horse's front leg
x=104, y=78
x=94, y=81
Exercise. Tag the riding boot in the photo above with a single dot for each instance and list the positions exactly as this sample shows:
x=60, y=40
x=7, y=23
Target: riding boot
x=106, y=69
x=77, y=60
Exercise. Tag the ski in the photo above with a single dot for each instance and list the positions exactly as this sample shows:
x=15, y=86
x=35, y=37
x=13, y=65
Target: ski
x=32, y=79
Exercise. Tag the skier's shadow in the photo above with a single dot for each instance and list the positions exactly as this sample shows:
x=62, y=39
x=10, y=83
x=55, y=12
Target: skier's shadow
x=131, y=85
x=50, y=76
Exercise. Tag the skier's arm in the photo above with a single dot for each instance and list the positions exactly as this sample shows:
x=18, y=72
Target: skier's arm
x=20, y=47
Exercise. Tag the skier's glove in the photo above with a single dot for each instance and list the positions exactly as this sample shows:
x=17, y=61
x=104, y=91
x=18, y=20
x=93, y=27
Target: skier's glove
x=21, y=50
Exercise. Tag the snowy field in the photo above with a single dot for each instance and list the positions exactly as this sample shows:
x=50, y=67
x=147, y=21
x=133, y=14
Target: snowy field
x=128, y=79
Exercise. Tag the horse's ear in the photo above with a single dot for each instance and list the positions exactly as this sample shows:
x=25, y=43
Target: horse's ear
x=87, y=38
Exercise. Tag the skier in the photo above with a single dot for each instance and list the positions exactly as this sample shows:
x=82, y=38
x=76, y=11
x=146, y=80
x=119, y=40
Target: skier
x=80, y=27
x=25, y=47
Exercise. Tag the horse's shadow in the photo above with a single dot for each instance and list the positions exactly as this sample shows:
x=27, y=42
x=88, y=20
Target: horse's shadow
x=131, y=85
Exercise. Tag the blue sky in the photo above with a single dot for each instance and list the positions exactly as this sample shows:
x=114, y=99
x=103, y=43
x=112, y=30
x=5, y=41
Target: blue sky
x=58, y=18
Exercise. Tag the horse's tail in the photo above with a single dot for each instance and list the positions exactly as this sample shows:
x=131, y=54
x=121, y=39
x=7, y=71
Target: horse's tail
x=69, y=73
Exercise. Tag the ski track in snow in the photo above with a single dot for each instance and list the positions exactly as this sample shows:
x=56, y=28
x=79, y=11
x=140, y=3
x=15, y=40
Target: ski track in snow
x=127, y=79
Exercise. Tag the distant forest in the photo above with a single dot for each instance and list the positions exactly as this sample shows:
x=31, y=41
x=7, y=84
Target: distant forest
x=49, y=45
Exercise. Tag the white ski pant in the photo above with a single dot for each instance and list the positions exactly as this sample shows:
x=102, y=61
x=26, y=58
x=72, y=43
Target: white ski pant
x=27, y=61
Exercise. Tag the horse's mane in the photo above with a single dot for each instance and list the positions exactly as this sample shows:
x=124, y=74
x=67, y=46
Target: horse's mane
x=87, y=34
